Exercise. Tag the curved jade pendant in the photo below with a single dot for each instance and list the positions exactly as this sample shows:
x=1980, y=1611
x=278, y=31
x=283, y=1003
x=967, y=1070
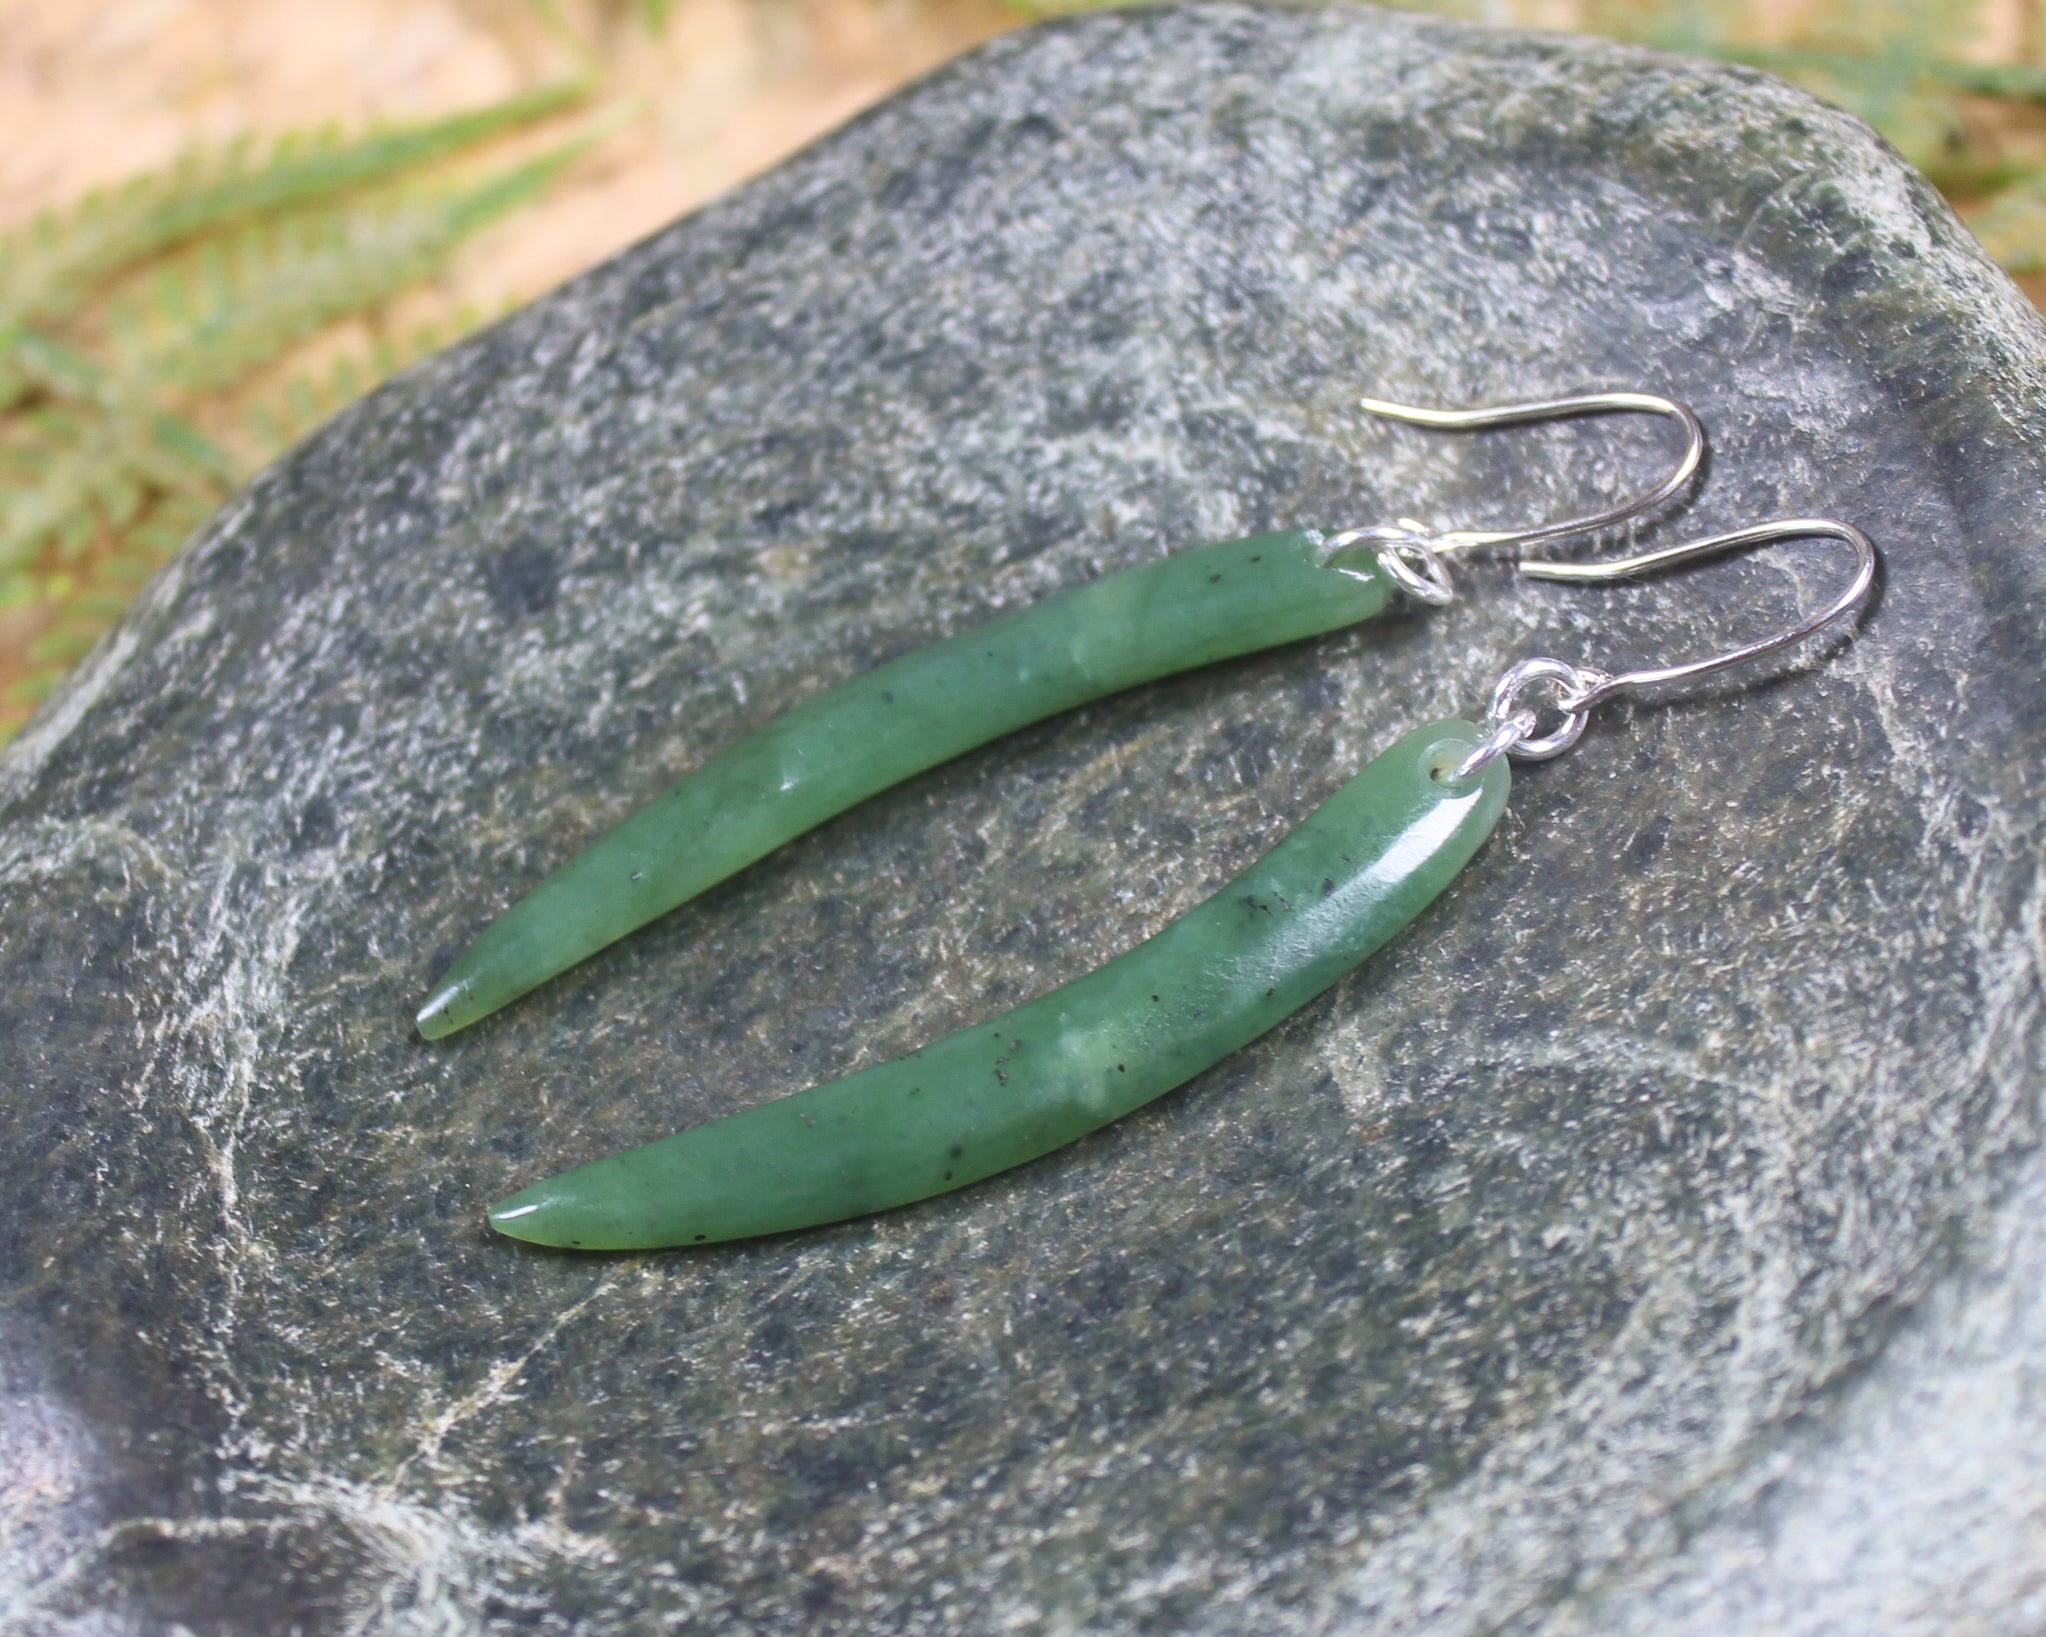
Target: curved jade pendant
x=897, y=720
x=1352, y=874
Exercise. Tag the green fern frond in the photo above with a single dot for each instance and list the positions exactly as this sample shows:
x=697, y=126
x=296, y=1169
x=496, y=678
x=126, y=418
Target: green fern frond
x=95, y=475
x=42, y=362
x=285, y=282
x=653, y=15
x=47, y=271
x=555, y=20
x=1895, y=63
x=88, y=597
x=2014, y=82
x=305, y=402
x=204, y=336
x=1891, y=89
x=63, y=645
x=1905, y=33
x=35, y=687
x=2012, y=226
x=126, y=322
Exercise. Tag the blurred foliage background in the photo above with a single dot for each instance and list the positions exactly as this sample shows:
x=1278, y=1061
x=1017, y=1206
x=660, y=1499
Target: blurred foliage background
x=221, y=220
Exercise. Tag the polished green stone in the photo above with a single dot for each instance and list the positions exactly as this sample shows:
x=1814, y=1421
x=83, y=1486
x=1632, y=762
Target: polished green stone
x=899, y=719
x=1345, y=880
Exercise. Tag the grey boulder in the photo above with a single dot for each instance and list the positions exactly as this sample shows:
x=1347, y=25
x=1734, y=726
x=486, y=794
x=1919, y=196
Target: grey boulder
x=1648, y=1242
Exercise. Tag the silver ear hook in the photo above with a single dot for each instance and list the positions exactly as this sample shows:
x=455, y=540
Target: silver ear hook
x=1576, y=688
x=1557, y=409
x=1411, y=553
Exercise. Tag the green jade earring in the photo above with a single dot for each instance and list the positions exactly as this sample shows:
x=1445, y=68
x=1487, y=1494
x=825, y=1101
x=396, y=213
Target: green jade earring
x=888, y=724
x=1353, y=873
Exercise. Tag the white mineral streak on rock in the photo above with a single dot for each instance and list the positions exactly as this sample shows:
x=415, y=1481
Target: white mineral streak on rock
x=48, y=1513
x=1916, y=1509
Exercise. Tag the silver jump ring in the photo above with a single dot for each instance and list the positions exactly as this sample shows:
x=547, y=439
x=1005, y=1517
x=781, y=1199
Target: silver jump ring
x=1495, y=744
x=1569, y=683
x=1407, y=560
x=1513, y=723
x=1417, y=571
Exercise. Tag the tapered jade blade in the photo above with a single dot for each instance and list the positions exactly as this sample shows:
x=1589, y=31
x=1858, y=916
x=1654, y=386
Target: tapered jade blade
x=895, y=721
x=1352, y=874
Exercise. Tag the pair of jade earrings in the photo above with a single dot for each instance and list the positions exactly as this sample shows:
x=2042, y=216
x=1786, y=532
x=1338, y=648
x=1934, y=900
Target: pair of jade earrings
x=1351, y=875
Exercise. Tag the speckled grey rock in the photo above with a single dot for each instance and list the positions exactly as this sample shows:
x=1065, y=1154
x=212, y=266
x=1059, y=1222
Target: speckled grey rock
x=1647, y=1243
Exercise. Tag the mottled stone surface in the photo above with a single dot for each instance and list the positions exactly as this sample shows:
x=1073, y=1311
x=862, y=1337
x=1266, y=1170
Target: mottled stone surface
x=1647, y=1243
